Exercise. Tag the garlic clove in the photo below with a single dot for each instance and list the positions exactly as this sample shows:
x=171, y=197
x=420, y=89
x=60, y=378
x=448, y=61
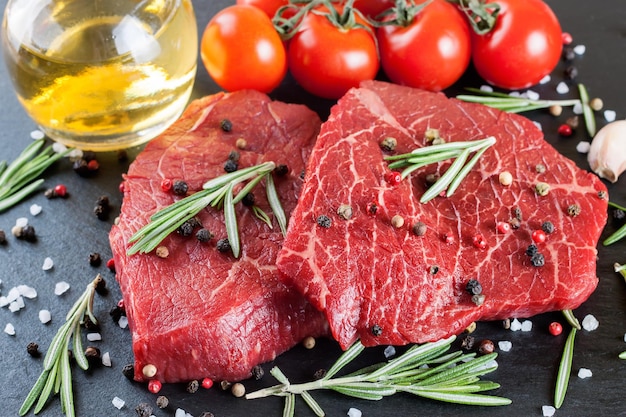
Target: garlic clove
x=607, y=154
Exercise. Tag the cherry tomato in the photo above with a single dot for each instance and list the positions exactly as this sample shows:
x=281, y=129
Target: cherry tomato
x=327, y=60
x=431, y=52
x=373, y=8
x=268, y=6
x=524, y=46
x=241, y=50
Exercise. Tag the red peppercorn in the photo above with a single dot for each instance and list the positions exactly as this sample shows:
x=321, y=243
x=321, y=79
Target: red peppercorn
x=372, y=208
x=111, y=264
x=393, y=177
x=154, y=386
x=503, y=227
x=539, y=236
x=93, y=165
x=565, y=130
x=555, y=328
x=207, y=383
x=120, y=303
x=121, y=187
x=479, y=241
x=448, y=237
x=566, y=38
x=60, y=190
x=166, y=184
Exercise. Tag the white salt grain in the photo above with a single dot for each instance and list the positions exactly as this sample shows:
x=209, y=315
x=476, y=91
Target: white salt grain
x=486, y=88
x=59, y=147
x=45, y=316
x=562, y=88
x=624, y=337
x=515, y=325
x=16, y=305
x=5, y=302
x=61, y=287
x=610, y=115
x=548, y=410
x=118, y=403
x=26, y=291
x=9, y=329
x=583, y=146
x=538, y=125
x=545, y=80
x=590, y=323
x=180, y=413
x=48, y=263
x=578, y=108
x=584, y=373
x=389, y=352
x=505, y=345
x=94, y=337
x=13, y=294
x=532, y=95
x=106, y=359
x=580, y=49
x=37, y=134
x=123, y=322
x=527, y=326
x=515, y=94
x=21, y=222
x=35, y=209
x=75, y=154
x=354, y=412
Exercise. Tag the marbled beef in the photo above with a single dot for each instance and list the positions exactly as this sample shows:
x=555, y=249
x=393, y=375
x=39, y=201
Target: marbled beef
x=388, y=285
x=200, y=312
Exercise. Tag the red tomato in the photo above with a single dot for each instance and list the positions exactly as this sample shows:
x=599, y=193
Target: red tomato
x=431, y=52
x=372, y=8
x=268, y=6
x=524, y=46
x=241, y=50
x=326, y=60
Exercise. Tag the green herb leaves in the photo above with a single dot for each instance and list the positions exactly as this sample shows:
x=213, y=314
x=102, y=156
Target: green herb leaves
x=56, y=376
x=620, y=233
x=453, y=176
x=20, y=178
x=503, y=101
x=217, y=193
x=424, y=370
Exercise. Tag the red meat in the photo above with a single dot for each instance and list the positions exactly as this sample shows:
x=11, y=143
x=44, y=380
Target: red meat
x=387, y=285
x=199, y=312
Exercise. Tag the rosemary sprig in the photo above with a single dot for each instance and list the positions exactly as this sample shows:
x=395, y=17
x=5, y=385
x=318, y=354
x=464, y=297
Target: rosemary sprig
x=590, y=120
x=453, y=176
x=565, y=369
x=217, y=193
x=511, y=104
x=620, y=233
x=425, y=370
x=20, y=178
x=57, y=373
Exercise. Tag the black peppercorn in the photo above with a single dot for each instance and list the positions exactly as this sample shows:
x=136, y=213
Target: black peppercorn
x=129, y=371
x=223, y=245
x=185, y=229
x=162, y=401
x=233, y=155
x=473, y=287
x=203, y=235
x=28, y=233
x=517, y=213
x=324, y=221
x=3, y=237
x=573, y=210
x=568, y=53
x=143, y=410
x=192, y=386
x=95, y=259
x=434, y=269
x=248, y=199
x=207, y=414
x=547, y=227
x=531, y=249
x=467, y=343
x=319, y=374
x=258, y=372
x=226, y=125
x=377, y=330
x=419, y=228
x=92, y=354
x=537, y=260
x=102, y=208
x=619, y=214
x=116, y=313
x=281, y=170
x=180, y=187
x=81, y=167
x=570, y=73
x=90, y=325
x=33, y=349
x=231, y=166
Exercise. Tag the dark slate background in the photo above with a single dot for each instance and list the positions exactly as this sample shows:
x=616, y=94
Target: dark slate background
x=68, y=232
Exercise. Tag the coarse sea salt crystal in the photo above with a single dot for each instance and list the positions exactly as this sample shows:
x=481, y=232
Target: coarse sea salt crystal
x=4, y=301
x=181, y=413
x=538, y=125
x=123, y=322
x=48, y=263
x=26, y=291
x=21, y=222
x=583, y=146
x=545, y=80
x=580, y=49
x=59, y=147
x=624, y=337
x=578, y=108
x=106, y=359
x=548, y=410
x=354, y=412
x=515, y=325
x=584, y=373
x=45, y=316
x=75, y=154
x=37, y=134
x=486, y=88
x=562, y=88
x=118, y=403
x=35, y=209
x=515, y=94
x=94, y=337
x=505, y=345
x=532, y=95
x=527, y=326
x=610, y=115
x=9, y=329
x=61, y=287
x=389, y=352
x=590, y=323
x=13, y=294
x=16, y=305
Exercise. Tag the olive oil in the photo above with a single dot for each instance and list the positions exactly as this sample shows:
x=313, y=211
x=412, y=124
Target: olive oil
x=102, y=74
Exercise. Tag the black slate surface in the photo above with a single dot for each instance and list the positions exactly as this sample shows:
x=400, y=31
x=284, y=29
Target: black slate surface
x=68, y=232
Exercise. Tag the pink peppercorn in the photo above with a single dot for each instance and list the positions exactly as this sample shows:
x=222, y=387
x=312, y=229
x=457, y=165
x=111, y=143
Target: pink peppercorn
x=60, y=190
x=207, y=383
x=566, y=38
x=503, y=227
x=154, y=386
x=565, y=130
x=555, y=328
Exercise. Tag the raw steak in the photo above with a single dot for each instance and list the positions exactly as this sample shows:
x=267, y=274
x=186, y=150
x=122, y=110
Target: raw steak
x=200, y=312
x=387, y=285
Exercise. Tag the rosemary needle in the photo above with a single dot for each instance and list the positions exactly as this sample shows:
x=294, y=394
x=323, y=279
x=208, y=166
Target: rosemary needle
x=565, y=369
